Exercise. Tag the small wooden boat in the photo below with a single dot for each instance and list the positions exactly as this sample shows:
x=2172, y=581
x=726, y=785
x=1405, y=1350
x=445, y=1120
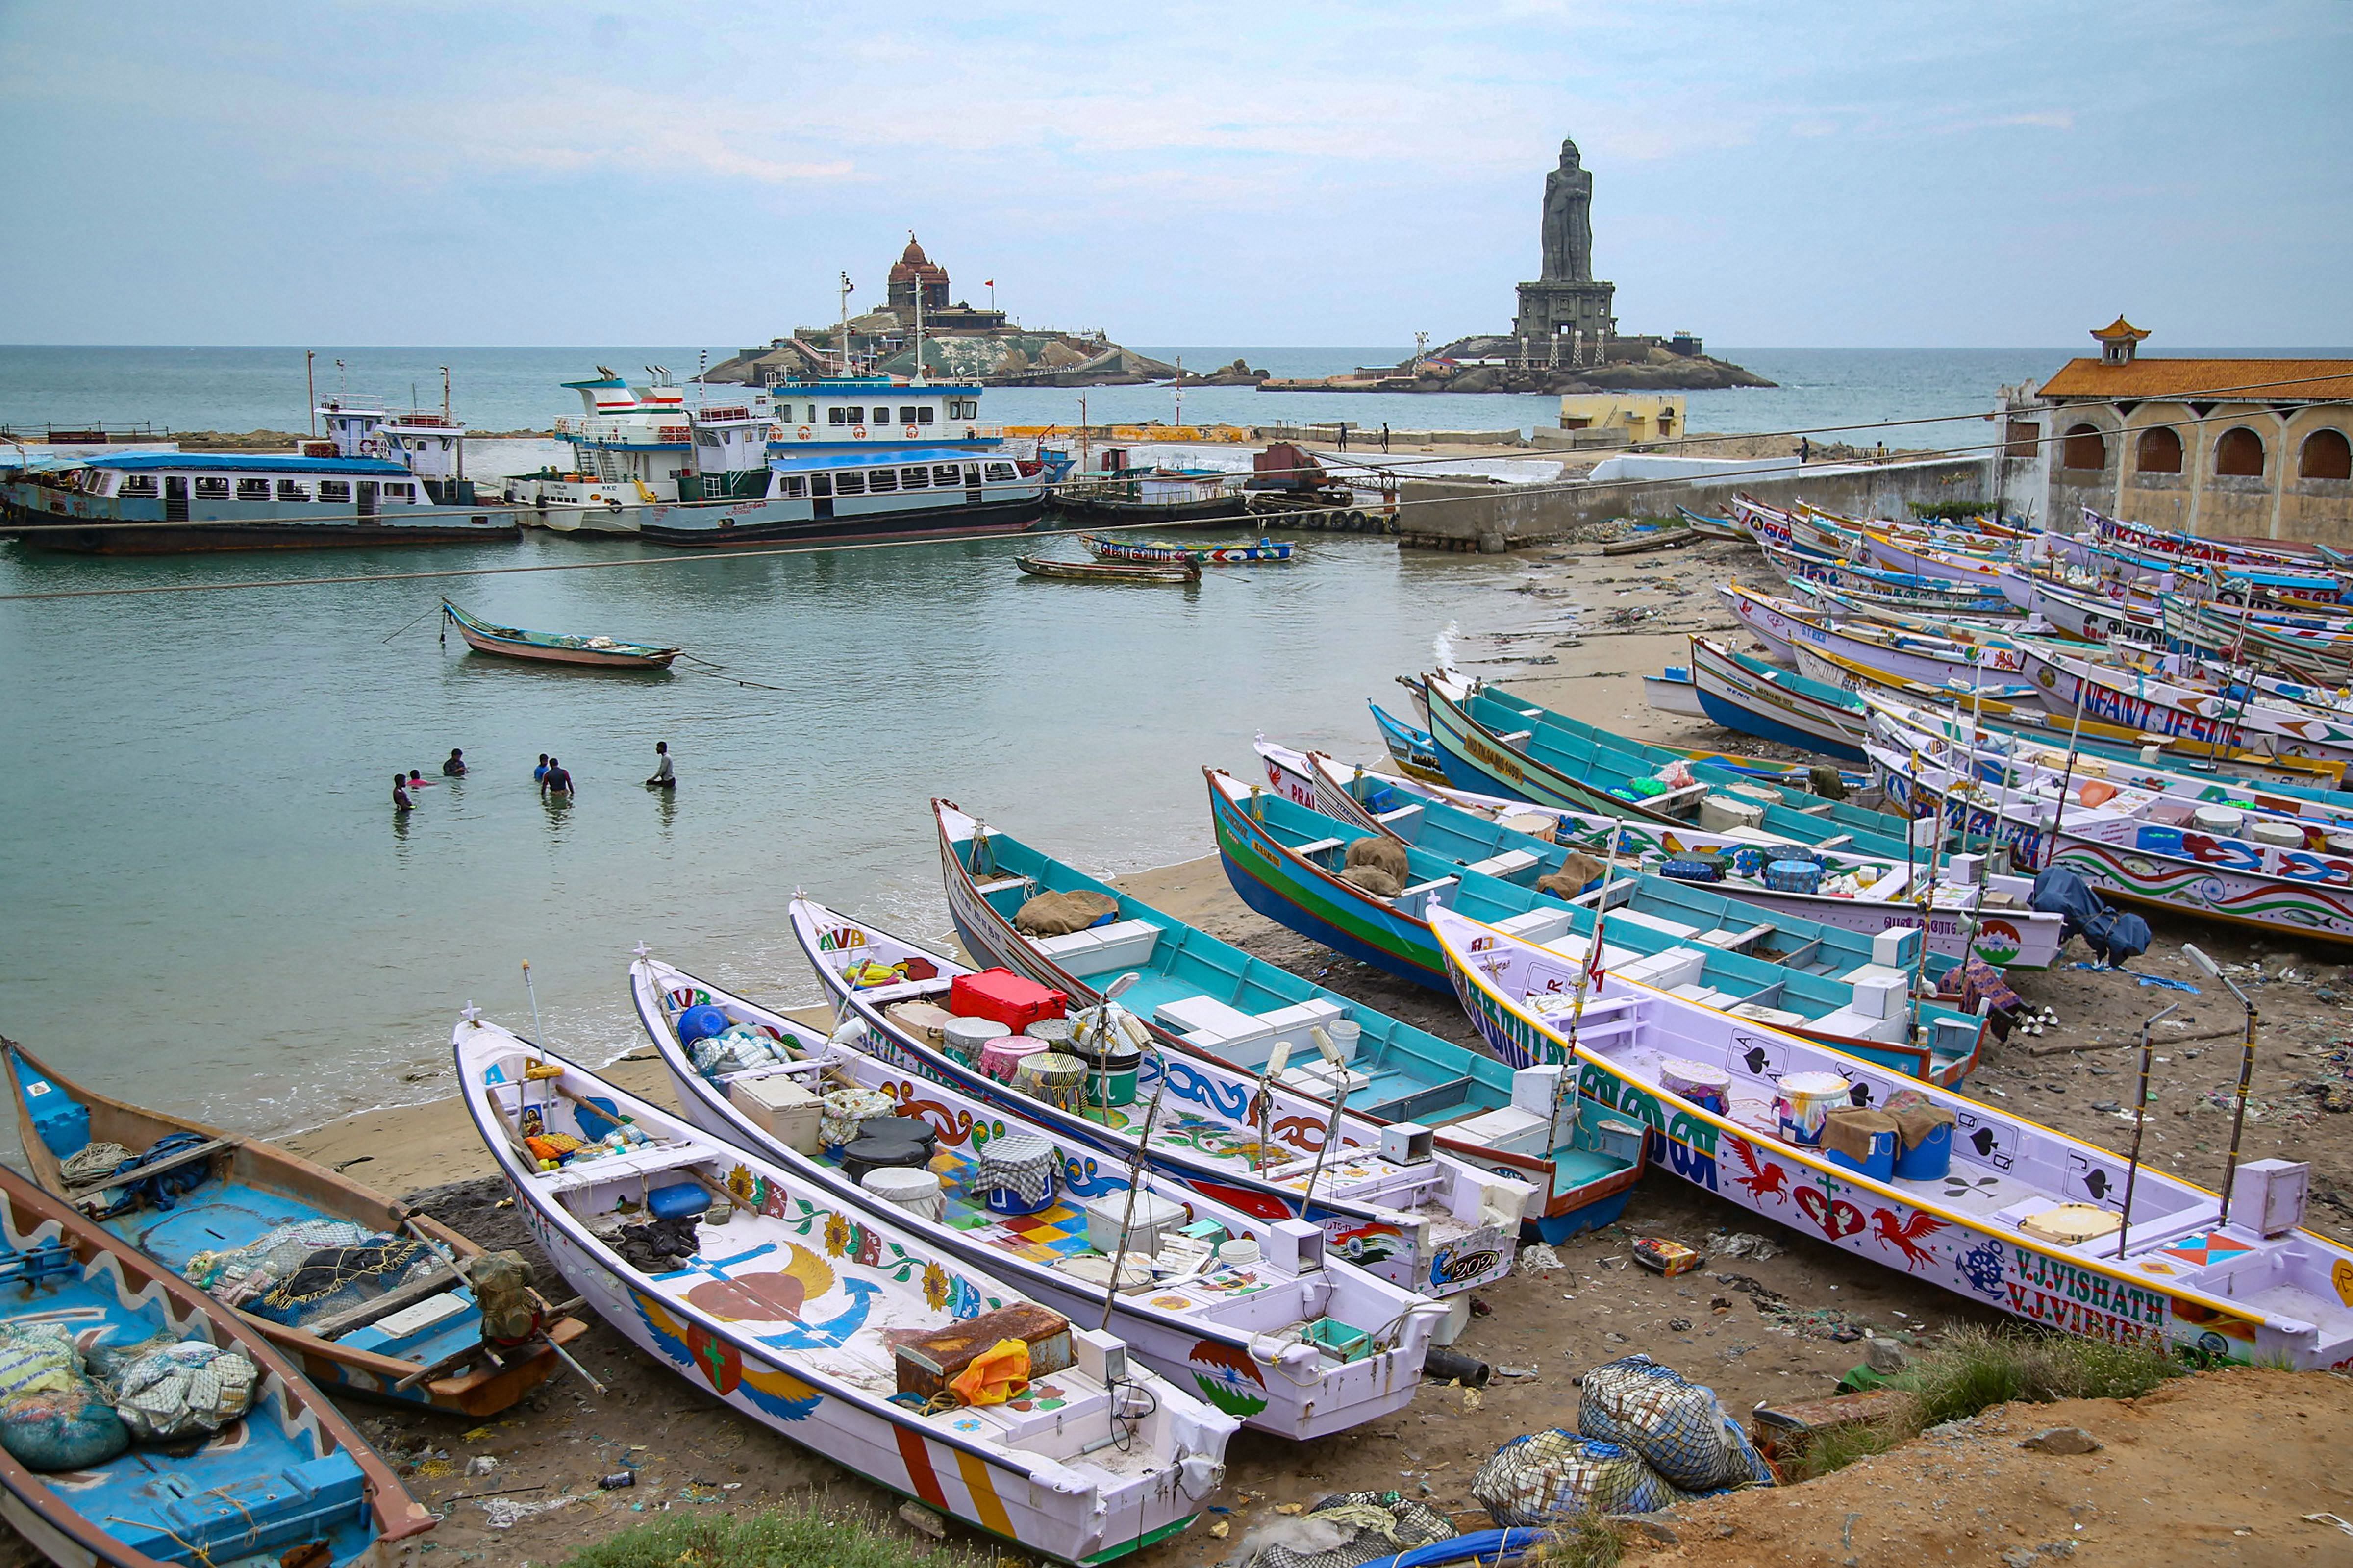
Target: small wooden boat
x=1712, y=527
x=2010, y=933
x=554, y=647
x=1644, y=541
x=1756, y=699
x=1671, y=691
x=219, y=1191
x=1410, y=748
x=813, y=1315
x=1848, y=991
x=1195, y=1327
x=1111, y=549
x=1216, y=1004
x=1109, y=570
x=2021, y=1219
x=1400, y=1212
x=293, y=1480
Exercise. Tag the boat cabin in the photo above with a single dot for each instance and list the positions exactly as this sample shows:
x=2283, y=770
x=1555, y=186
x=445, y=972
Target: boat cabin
x=852, y=409
x=213, y=486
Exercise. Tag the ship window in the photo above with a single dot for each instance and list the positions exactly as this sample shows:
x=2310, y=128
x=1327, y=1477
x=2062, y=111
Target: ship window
x=915, y=478
x=293, y=489
x=792, y=487
x=1000, y=471
x=837, y=415
x=849, y=484
x=907, y=414
x=946, y=474
x=211, y=487
x=400, y=492
x=334, y=489
x=923, y=414
x=883, y=480
x=820, y=485
x=809, y=418
x=138, y=485
x=709, y=437
x=253, y=490
x=964, y=407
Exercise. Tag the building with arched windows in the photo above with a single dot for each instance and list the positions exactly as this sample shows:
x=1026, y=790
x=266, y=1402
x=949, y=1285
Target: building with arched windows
x=2258, y=447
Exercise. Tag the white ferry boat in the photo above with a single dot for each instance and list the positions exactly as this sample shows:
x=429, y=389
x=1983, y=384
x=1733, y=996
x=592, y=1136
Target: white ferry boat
x=854, y=457
x=378, y=478
x=632, y=447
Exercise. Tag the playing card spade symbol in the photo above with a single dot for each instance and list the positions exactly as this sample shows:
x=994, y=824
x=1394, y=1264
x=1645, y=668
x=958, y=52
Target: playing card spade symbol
x=1836, y=1216
x=2097, y=1183
x=1982, y=1141
x=1860, y=1094
x=1755, y=1060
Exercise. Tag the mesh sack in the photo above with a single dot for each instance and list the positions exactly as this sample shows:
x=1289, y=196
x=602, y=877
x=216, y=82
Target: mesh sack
x=736, y=1048
x=37, y=1358
x=334, y=1278
x=189, y=1387
x=1677, y=1426
x=237, y=1273
x=68, y=1427
x=1557, y=1475
x=1373, y=1525
x=844, y=1108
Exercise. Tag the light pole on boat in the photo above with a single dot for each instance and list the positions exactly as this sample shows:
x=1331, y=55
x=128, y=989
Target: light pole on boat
x=311, y=386
x=2246, y=1072
x=2140, y=1119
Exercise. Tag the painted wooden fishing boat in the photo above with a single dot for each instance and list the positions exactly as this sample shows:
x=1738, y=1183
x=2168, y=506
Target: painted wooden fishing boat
x=1646, y=540
x=793, y=1309
x=2090, y=610
x=1113, y=549
x=2151, y=851
x=1495, y=744
x=1399, y=1211
x=2319, y=645
x=2193, y=547
x=1756, y=699
x=1109, y=570
x=1784, y=627
x=1978, y=573
x=2010, y=933
x=1410, y=748
x=1217, y=1328
x=1872, y=586
x=2171, y=708
x=422, y=1342
x=1204, y=999
x=294, y=1481
x=1712, y=527
x=555, y=647
x=1673, y=691
x=1284, y=861
x=2171, y=1274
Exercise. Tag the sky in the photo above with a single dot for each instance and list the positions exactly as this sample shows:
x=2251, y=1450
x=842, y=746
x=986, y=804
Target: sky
x=1928, y=174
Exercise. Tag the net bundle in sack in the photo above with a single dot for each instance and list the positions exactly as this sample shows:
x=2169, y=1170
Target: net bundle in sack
x=739, y=1047
x=1365, y=1526
x=52, y=1418
x=189, y=1387
x=1559, y=1474
x=1678, y=1426
x=239, y=1274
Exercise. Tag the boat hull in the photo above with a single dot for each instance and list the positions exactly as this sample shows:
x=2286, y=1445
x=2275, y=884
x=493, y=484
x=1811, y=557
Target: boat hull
x=199, y=538
x=774, y=522
x=1740, y=699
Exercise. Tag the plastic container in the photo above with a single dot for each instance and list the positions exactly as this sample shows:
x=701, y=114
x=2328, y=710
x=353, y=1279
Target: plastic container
x=2278, y=834
x=1341, y=1341
x=868, y=1154
x=701, y=1024
x=2221, y=819
x=1879, y=1160
x=1055, y=1076
x=1806, y=1102
x=1929, y=1160
x=1793, y=876
x=1111, y=1074
x=1708, y=1088
x=999, y=994
x=1003, y=1056
x=1153, y=1219
x=966, y=1038
x=1748, y=861
x=917, y=1191
x=1691, y=871
x=1238, y=1252
x=1018, y=1173
x=1055, y=1032
x=678, y=1198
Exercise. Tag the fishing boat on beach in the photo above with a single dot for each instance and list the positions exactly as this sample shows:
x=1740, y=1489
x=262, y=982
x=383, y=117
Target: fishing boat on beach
x=2000, y=924
x=1216, y=1005
x=289, y=1480
x=834, y=1325
x=409, y=1324
x=1263, y=1298
x=1386, y=1200
x=1847, y=991
x=1118, y=570
x=1996, y=1209
x=1112, y=548
x=1410, y=747
x=555, y=647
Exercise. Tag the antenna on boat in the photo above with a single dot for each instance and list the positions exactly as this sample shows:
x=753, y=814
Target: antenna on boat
x=2140, y=1117
x=842, y=346
x=2246, y=1072
x=538, y=1033
x=1135, y=1172
x=1587, y=974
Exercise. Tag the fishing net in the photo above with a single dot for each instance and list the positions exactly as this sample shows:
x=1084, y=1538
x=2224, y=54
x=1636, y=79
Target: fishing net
x=35, y=1357
x=1060, y=914
x=1350, y=1528
x=1374, y=880
x=68, y=1427
x=736, y=1048
x=238, y=1273
x=93, y=1164
x=184, y=1388
x=334, y=1279
x=1559, y=1474
x=659, y=1247
x=1382, y=852
x=1676, y=1426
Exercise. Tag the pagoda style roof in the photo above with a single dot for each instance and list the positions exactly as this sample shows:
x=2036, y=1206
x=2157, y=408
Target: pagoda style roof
x=2120, y=331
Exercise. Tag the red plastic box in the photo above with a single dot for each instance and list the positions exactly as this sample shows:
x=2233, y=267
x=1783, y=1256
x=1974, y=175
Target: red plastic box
x=1005, y=997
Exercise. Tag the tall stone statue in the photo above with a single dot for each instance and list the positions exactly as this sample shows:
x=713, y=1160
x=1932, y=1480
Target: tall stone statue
x=1569, y=220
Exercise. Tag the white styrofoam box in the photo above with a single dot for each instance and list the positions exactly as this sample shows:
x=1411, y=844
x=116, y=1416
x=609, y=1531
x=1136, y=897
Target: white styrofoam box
x=1313, y=847
x=1778, y=1018
x=1510, y=863
x=1539, y=926
x=1122, y=944
x=1667, y=969
x=1703, y=995
x=1295, y=1247
x=1318, y=1079
x=2268, y=1195
x=1415, y=901
x=1963, y=870
x=1069, y=946
x=1896, y=946
x=1488, y=1198
x=1721, y=814
x=419, y=1315
x=1537, y=1089
x=1507, y=1130
x=1880, y=996
x=1186, y=1013
x=1101, y=1355
x=1316, y=1012
x=784, y=1109
x=1155, y=1216
x=1406, y=1143
x=1856, y=1023
x=1645, y=919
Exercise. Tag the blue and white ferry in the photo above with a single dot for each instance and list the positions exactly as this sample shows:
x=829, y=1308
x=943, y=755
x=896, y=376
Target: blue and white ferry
x=378, y=478
x=631, y=448
x=853, y=457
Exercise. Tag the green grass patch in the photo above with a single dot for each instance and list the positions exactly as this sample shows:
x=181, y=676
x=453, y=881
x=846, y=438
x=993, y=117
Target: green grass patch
x=1586, y=1541
x=1976, y=1368
x=1842, y=1446
x=1950, y=510
x=808, y=1537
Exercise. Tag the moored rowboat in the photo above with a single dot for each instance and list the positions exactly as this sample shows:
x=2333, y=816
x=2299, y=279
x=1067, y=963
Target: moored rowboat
x=555, y=647
x=1109, y=570
x=1260, y=554
x=795, y=1310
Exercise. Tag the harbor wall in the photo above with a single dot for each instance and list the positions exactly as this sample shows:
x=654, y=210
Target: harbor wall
x=1440, y=515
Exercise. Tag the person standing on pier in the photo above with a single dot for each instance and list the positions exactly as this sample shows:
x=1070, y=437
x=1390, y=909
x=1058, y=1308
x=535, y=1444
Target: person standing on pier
x=663, y=778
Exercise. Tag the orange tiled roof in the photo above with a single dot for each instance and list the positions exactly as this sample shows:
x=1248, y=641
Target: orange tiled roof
x=2118, y=331
x=2257, y=380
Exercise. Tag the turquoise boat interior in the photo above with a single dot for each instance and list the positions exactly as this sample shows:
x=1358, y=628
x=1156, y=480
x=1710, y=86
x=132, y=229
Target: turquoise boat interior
x=248, y=1493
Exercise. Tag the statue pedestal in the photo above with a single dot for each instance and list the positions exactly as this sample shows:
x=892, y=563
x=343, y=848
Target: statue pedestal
x=1572, y=311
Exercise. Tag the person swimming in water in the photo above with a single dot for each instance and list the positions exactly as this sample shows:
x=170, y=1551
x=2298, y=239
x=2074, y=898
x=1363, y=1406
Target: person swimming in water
x=400, y=801
x=539, y=774
x=663, y=778
x=455, y=768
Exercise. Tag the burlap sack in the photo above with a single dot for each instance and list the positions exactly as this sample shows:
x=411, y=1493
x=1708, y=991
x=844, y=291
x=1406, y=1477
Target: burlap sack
x=1385, y=853
x=1060, y=914
x=1373, y=880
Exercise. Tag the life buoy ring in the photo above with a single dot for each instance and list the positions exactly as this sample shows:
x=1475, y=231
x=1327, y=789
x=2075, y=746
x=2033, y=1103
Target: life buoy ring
x=611, y=504
x=857, y=433
x=803, y=433
x=910, y=432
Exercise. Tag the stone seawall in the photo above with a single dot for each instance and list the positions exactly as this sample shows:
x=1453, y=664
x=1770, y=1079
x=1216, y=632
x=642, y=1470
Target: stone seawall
x=1439, y=514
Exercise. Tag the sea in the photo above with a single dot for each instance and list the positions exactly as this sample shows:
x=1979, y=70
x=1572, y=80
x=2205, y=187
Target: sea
x=211, y=905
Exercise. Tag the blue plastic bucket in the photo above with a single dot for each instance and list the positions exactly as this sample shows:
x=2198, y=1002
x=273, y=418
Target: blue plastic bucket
x=1928, y=1160
x=1880, y=1163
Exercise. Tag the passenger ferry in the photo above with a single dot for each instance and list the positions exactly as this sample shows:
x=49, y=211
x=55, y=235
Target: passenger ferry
x=632, y=447
x=855, y=456
x=379, y=478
